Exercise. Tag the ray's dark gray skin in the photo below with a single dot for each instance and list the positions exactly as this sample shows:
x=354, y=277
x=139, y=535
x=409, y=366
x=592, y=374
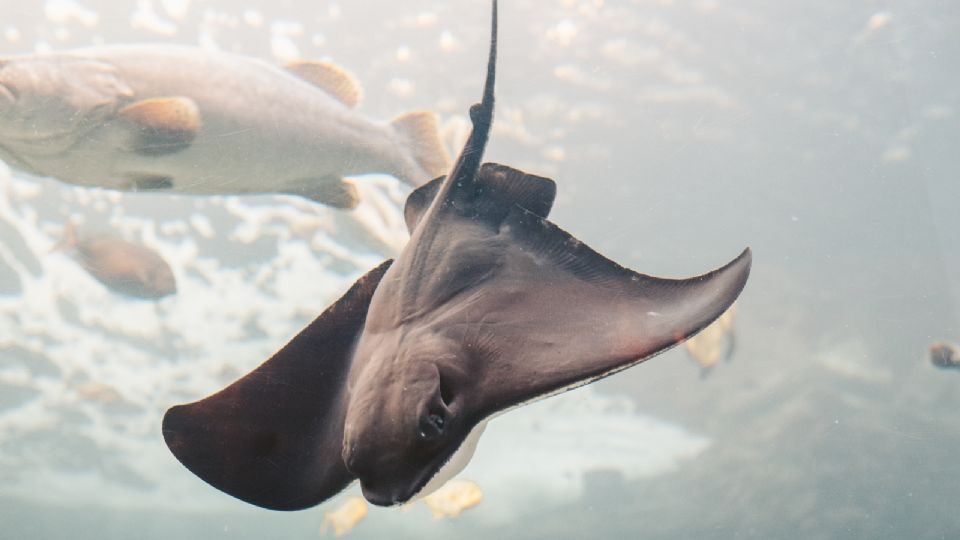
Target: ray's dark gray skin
x=489, y=306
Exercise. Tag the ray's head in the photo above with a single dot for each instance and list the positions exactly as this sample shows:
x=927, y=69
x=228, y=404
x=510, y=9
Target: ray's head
x=406, y=418
x=408, y=411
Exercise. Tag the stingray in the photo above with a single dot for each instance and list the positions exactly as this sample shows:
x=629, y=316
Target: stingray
x=489, y=306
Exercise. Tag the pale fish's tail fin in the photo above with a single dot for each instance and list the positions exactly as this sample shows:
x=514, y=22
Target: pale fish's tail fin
x=420, y=133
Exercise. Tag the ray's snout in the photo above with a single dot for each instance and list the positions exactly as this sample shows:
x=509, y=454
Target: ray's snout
x=381, y=481
x=381, y=499
x=374, y=493
x=383, y=495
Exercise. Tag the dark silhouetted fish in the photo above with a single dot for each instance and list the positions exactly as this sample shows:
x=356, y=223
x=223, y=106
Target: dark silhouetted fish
x=945, y=355
x=123, y=267
x=188, y=120
x=489, y=306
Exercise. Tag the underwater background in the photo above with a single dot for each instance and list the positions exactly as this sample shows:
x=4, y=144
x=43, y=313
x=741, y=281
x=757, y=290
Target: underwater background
x=824, y=135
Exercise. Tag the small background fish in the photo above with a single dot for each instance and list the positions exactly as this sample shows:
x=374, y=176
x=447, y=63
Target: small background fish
x=945, y=355
x=453, y=498
x=345, y=516
x=713, y=343
x=122, y=266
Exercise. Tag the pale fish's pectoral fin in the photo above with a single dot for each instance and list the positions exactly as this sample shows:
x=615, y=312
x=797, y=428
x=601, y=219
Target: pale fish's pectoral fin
x=150, y=182
x=421, y=136
x=274, y=437
x=328, y=77
x=499, y=188
x=162, y=125
x=328, y=190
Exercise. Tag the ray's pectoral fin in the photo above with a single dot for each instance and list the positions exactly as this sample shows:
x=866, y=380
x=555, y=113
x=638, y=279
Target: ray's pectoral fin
x=162, y=125
x=498, y=188
x=567, y=316
x=274, y=437
x=328, y=190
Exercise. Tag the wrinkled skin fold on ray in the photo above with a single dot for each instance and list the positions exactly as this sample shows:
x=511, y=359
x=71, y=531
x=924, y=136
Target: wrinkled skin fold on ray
x=273, y=437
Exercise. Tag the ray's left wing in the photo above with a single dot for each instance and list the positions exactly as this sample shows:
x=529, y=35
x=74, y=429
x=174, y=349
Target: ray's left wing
x=274, y=437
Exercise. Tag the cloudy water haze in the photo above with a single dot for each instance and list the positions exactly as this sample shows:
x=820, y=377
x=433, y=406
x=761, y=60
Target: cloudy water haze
x=824, y=135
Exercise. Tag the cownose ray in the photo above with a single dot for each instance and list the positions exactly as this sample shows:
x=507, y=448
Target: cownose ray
x=488, y=306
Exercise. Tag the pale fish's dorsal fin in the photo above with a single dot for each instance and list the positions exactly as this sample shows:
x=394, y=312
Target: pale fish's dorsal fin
x=421, y=134
x=162, y=125
x=329, y=77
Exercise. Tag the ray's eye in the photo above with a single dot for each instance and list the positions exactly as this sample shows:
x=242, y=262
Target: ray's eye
x=431, y=425
x=434, y=419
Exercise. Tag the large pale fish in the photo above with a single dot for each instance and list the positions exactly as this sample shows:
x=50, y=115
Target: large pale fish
x=489, y=306
x=188, y=120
